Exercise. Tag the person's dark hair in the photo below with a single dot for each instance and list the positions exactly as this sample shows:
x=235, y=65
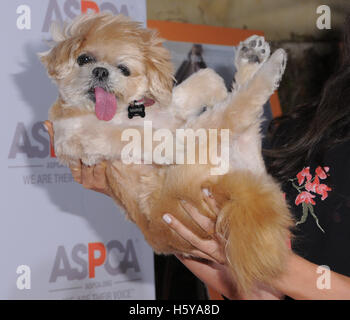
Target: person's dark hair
x=317, y=126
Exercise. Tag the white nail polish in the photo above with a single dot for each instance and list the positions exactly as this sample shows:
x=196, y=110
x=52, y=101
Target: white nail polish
x=167, y=218
x=207, y=192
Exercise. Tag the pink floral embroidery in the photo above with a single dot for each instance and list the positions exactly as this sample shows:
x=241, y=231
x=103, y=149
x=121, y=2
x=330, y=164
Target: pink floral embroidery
x=309, y=189
x=323, y=189
x=302, y=174
x=321, y=173
x=305, y=197
x=311, y=186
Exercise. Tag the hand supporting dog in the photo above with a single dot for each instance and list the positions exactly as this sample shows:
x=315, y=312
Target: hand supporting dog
x=212, y=267
x=92, y=178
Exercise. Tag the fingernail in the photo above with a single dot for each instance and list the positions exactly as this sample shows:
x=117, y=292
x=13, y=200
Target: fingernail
x=207, y=192
x=45, y=126
x=167, y=218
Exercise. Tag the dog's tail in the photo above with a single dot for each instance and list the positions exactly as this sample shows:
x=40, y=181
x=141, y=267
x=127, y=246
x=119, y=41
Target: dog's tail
x=256, y=223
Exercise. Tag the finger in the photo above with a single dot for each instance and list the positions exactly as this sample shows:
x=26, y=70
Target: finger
x=204, y=222
x=99, y=174
x=48, y=125
x=188, y=259
x=204, y=248
x=76, y=172
x=180, y=257
x=203, y=255
x=209, y=199
x=87, y=176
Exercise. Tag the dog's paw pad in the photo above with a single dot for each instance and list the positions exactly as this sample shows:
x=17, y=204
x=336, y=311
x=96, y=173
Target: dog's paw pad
x=253, y=50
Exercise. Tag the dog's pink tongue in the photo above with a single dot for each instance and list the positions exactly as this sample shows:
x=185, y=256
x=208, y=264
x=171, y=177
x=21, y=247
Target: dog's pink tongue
x=106, y=104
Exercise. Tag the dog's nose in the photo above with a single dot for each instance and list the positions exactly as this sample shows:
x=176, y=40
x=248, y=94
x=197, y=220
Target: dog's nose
x=100, y=73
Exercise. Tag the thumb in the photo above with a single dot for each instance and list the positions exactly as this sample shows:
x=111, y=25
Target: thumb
x=48, y=125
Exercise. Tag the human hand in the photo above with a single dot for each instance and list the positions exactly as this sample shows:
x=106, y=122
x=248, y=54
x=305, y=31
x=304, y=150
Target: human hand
x=214, y=270
x=90, y=177
x=213, y=249
x=207, y=260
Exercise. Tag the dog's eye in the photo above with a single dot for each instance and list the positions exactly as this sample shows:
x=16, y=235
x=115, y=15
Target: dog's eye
x=124, y=69
x=85, y=59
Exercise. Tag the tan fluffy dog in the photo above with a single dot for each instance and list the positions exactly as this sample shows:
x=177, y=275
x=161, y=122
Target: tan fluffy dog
x=101, y=64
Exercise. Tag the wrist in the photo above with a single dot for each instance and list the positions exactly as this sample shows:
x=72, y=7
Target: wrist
x=299, y=281
x=284, y=282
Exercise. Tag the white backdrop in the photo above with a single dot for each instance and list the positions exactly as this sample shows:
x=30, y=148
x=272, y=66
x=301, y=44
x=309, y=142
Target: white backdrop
x=49, y=223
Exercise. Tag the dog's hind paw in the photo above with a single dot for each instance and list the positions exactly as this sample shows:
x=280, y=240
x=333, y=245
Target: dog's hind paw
x=276, y=66
x=250, y=56
x=283, y=64
x=253, y=50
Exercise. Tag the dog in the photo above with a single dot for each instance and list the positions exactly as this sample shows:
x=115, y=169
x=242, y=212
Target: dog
x=103, y=65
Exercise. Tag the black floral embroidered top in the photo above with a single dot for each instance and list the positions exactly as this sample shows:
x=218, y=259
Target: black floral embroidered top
x=319, y=198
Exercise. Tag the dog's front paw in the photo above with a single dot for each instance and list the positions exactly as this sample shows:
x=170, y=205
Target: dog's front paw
x=68, y=151
x=253, y=50
x=91, y=159
x=94, y=150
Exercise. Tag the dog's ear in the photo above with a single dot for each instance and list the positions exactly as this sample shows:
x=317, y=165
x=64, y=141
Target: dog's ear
x=159, y=69
x=60, y=59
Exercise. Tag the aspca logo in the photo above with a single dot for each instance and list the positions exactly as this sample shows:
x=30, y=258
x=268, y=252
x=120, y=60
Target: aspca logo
x=83, y=260
x=33, y=142
x=69, y=9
